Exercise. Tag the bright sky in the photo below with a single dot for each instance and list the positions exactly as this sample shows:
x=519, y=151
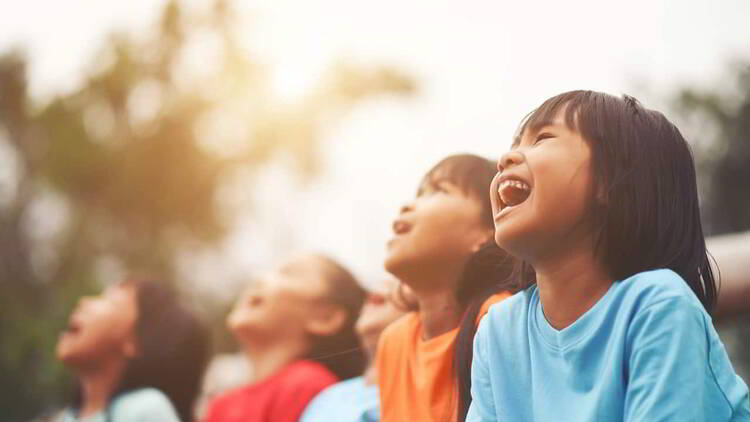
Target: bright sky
x=481, y=66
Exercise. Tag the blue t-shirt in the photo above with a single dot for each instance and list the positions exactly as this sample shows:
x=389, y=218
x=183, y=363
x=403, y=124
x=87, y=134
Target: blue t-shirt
x=348, y=401
x=142, y=405
x=646, y=351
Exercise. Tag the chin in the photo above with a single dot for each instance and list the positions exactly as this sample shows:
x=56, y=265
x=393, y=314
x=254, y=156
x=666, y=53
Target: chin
x=61, y=354
x=70, y=358
x=65, y=351
x=507, y=241
x=392, y=264
x=502, y=240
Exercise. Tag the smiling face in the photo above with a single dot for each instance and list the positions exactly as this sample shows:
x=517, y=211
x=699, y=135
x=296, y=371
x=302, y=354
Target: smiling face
x=436, y=232
x=541, y=192
x=101, y=327
x=284, y=298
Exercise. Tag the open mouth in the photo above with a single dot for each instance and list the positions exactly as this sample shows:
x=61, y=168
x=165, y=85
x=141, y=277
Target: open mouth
x=73, y=328
x=401, y=227
x=512, y=192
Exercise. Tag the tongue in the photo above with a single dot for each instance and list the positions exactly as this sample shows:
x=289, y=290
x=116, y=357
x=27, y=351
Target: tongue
x=512, y=195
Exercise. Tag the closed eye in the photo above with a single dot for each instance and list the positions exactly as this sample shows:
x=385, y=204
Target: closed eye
x=543, y=136
x=440, y=187
x=432, y=187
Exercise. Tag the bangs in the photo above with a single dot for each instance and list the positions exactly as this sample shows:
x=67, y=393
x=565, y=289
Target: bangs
x=574, y=106
x=470, y=173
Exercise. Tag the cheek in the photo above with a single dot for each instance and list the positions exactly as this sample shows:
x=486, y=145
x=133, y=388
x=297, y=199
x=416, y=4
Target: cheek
x=452, y=228
x=556, y=208
x=565, y=194
x=95, y=340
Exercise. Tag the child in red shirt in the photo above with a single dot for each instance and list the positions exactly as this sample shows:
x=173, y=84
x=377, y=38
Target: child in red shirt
x=296, y=325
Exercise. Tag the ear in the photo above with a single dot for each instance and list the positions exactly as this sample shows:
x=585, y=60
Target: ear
x=130, y=348
x=326, y=320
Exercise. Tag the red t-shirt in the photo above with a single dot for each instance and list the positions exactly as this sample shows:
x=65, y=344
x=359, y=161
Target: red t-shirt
x=279, y=398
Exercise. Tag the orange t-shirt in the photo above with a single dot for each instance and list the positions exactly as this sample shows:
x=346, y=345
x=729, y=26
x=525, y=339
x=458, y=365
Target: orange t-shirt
x=416, y=377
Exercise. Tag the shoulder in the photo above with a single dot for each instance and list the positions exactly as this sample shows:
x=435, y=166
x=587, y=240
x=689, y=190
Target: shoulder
x=658, y=306
x=507, y=316
x=496, y=298
x=512, y=306
x=341, y=390
x=305, y=374
x=145, y=403
x=345, y=400
x=649, y=288
x=230, y=398
x=408, y=322
x=343, y=387
x=398, y=331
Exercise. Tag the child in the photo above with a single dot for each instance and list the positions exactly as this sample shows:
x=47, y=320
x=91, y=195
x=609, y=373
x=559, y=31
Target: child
x=137, y=353
x=598, y=195
x=356, y=400
x=297, y=328
x=443, y=251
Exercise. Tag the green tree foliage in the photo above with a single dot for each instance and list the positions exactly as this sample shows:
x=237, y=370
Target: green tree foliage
x=126, y=169
x=719, y=127
x=721, y=134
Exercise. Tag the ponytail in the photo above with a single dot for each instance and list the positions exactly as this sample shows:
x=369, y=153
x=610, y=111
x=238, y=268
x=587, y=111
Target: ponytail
x=489, y=271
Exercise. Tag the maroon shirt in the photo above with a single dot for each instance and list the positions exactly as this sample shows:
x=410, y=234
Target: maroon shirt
x=279, y=398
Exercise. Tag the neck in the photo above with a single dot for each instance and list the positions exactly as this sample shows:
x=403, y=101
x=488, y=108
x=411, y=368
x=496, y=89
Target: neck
x=569, y=285
x=439, y=313
x=371, y=375
x=97, y=386
x=434, y=290
x=268, y=359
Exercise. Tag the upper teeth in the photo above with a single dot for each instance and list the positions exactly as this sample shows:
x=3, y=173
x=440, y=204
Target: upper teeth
x=514, y=183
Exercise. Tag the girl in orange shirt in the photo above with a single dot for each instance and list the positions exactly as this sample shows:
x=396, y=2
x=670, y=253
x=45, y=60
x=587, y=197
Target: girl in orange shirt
x=443, y=251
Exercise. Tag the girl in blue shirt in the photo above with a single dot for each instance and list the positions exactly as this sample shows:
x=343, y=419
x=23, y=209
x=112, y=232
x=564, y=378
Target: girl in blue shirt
x=598, y=198
x=137, y=353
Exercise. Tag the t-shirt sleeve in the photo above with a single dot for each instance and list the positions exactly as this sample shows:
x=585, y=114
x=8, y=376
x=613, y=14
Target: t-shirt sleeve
x=482, y=408
x=147, y=405
x=669, y=373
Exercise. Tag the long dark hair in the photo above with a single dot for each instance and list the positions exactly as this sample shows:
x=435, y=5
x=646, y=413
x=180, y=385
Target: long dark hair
x=488, y=270
x=341, y=352
x=644, y=205
x=173, y=348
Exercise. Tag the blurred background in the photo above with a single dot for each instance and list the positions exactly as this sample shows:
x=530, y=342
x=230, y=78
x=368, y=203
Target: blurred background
x=202, y=141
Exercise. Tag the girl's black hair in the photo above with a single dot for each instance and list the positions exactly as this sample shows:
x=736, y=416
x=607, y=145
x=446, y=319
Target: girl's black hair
x=341, y=352
x=644, y=203
x=173, y=350
x=488, y=270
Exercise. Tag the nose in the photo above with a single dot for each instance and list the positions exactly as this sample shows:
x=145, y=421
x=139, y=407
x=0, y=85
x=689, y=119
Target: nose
x=82, y=302
x=407, y=207
x=510, y=159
